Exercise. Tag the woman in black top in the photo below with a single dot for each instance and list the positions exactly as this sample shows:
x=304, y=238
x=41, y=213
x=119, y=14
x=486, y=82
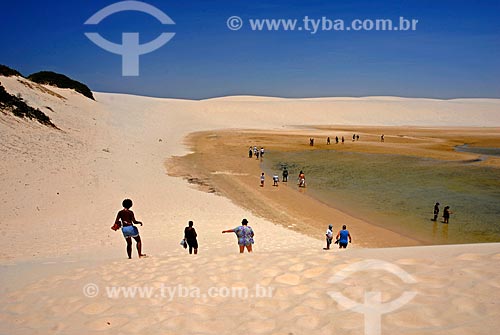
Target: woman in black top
x=446, y=214
x=190, y=237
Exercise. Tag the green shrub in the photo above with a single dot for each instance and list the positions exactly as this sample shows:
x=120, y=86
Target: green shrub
x=61, y=81
x=19, y=108
x=8, y=72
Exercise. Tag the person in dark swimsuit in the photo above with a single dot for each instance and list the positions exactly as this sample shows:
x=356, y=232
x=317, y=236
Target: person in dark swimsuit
x=126, y=220
x=190, y=237
x=446, y=214
x=436, y=211
x=285, y=175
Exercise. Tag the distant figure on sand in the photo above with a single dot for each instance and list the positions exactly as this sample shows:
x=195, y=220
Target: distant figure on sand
x=446, y=214
x=190, y=237
x=328, y=140
x=336, y=140
x=342, y=139
x=261, y=152
x=285, y=175
x=436, y=211
x=353, y=137
x=250, y=152
x=357, y=137
x=275, y=180
x=382, y=138
x=126, y=220
x=311, y=141
x=329, y=237
x=342, y=237
x=302, y=179
x=257, y=154
x=262, y=179
x=245, y=235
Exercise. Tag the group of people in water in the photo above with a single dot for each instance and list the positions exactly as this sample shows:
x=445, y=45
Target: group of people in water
x=446, y=213
x=301, y=180
x=355, y=137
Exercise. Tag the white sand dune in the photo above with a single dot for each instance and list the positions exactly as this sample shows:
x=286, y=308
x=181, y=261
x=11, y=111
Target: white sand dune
x=60, y=190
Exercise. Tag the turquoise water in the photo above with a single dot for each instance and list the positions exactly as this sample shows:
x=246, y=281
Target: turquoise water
x=399, y=192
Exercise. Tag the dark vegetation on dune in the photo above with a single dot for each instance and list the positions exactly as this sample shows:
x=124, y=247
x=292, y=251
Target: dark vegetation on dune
x=61, y=81
x=8, y=72
x=50, y=78
x=19, y=108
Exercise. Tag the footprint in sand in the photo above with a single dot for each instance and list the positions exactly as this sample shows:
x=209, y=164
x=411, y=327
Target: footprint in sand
x=469, y=257
x=95, y=308
x=314, y=272
x=288, y=279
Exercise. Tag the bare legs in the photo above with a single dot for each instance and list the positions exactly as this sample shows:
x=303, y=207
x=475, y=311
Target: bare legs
x=129, y=247
x=191, y=250
x=138, y=245
x=242, y=248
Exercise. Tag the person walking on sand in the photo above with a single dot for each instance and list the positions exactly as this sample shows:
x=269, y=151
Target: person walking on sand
x=342, y=237
x=262, y=179
x=126, y=220
x=328, y=140
x=250, y=152
x=382, y=138
x=329, y=237
x=357, y=137
x=353, y=137
x=336, y=140
x=245, y=235
x=342, y=139
x=436, y=211
x=446, y=214
x=275, y=180
x=285, y=175
x=262, y=152
x=190, y=237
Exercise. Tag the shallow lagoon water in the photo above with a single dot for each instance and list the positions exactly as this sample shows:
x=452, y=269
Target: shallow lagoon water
x=399, y=192
x=478, y=150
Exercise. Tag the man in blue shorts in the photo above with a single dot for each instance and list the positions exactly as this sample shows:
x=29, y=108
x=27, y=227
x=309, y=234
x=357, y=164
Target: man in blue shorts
x=343, y=236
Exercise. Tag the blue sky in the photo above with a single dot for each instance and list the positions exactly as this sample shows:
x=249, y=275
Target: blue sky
x=455, y=51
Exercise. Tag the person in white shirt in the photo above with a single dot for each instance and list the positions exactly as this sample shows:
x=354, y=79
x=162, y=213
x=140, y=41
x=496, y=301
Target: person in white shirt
x=329, y=237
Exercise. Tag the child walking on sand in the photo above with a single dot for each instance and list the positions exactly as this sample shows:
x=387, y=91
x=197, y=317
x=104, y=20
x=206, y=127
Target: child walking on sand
x=262, y=178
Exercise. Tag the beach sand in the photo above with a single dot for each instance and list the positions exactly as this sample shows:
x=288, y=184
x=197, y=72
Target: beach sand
x=61, y=189
x=219, y=163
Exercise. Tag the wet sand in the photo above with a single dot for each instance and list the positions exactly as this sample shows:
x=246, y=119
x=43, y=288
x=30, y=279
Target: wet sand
x=220, y=164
